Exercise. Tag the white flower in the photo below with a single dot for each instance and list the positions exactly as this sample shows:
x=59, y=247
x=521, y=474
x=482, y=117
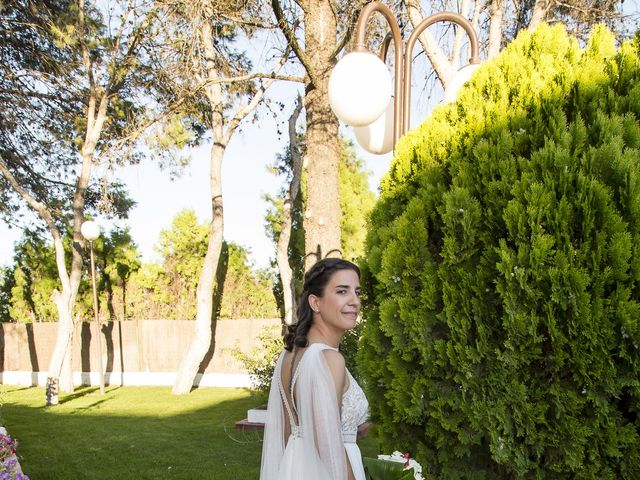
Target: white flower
x=409, y=463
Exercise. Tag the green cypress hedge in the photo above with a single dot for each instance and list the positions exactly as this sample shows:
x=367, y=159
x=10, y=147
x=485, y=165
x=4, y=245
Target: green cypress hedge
x=502, y=271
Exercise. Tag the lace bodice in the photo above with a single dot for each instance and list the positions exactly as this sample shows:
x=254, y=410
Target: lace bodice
x=355, y=410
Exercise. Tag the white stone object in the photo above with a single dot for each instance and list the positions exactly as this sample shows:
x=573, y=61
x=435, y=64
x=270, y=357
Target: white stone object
x=257, y=415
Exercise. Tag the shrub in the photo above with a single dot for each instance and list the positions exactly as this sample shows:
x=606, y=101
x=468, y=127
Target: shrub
x=261, y=361
x=502, y=271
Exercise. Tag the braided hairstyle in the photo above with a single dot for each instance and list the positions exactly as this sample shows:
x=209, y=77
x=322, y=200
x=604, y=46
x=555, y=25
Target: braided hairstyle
x=315, y=280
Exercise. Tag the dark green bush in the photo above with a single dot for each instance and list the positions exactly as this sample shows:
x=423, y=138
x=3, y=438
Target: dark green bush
x=502, y=271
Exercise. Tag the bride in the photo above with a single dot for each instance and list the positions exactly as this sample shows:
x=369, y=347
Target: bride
x=316, y=409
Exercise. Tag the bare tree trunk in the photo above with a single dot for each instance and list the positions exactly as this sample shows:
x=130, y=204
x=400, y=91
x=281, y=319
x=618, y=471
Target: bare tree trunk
x=282, y=249
x=61, y=348
x=64, y=299
x=495, y=29
x=66, y=372
x=443, y=68
x=540, y=9
x=460, y=36
x=201, y=340
x=322, y=214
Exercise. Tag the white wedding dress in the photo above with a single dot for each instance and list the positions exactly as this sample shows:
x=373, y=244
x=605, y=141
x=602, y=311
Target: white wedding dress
x=324, y=438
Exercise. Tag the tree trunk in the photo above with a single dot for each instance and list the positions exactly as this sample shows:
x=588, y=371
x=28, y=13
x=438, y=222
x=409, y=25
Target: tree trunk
x=495, y=29
x=63, y=340
x=540, y=9
x=66, y=299
x=439, y=61
x=213, y=89
x=322, y=214
x=201, y=340
x=66, y=373
x=459, y=38
x=282, y=249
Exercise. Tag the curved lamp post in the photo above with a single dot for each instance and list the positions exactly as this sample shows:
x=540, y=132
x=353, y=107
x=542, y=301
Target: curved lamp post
x=360, y=84
x=90, y=231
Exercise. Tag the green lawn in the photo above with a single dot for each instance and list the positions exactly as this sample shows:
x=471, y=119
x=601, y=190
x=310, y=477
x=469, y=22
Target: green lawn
x=135, y=433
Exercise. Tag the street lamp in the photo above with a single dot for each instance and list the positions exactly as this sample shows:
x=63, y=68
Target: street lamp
x=360, y=84
x=90, y=231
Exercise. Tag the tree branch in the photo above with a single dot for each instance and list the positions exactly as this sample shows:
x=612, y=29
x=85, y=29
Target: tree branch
x=44, y=213
x=257, y=98
x=292, y=41
x=443, y=68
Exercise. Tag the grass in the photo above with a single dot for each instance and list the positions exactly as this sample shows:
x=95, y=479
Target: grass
x=136, y=432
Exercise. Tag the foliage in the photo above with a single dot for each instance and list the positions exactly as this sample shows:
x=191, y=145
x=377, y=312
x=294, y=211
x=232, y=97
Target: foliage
x=6, y=284
x=248, y=293
x=30, y=281
x=502, y=271
x=9, y=467
x=397, y=466
x=356, y=202
x=168, y=290
x=36, y=127
x=261, y=361
x=28, y=284
x=49, y=84
x=172, y=289
x=128, y=288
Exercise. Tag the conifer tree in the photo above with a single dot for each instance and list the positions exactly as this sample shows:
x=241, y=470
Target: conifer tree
x=502, y=335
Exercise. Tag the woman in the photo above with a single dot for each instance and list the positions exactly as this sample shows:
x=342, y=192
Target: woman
x=316, y=408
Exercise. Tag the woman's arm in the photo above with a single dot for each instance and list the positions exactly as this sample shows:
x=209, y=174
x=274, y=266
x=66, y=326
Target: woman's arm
x=336, y=364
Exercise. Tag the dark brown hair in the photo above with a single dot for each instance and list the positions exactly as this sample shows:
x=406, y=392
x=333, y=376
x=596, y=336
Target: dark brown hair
x=315, y=280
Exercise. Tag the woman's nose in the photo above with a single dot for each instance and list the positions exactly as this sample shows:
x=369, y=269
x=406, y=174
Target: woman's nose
x=355, y=299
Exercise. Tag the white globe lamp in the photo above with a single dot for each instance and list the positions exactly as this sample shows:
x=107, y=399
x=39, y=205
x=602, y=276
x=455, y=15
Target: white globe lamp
x=90, y=230
x=359, y=88
x=377, y=137
x=461, y=77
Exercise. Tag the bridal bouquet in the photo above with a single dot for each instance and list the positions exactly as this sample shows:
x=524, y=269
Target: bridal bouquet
x=397, y=466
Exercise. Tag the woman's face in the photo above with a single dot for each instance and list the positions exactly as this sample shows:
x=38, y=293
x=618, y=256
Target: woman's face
x=340, y=304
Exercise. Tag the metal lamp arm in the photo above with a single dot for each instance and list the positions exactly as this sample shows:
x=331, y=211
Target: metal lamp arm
x=422, y=26
x=396, y=36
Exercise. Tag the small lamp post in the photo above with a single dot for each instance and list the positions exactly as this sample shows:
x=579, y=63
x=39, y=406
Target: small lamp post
x=360, y=84
x=90, y=231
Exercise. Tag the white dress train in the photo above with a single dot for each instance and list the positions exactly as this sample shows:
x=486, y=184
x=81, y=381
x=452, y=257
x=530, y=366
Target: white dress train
x=313, y=453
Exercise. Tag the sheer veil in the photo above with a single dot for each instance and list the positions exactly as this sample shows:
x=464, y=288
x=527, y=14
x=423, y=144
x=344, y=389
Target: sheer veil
x=319, y=420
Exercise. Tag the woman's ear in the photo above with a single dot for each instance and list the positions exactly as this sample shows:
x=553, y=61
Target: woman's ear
x=313, y=303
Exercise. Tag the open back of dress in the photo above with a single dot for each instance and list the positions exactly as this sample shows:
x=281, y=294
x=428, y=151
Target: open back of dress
x=315, y=449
